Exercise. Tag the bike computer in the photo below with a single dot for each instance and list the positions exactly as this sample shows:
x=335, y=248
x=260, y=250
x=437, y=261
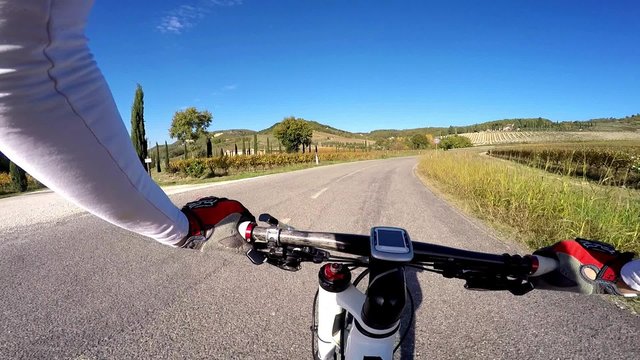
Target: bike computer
x=391, y=244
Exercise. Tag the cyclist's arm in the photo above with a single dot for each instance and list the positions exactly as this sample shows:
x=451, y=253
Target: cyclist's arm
x=58, y=120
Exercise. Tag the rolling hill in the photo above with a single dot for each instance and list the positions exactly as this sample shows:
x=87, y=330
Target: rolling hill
x=330, y=136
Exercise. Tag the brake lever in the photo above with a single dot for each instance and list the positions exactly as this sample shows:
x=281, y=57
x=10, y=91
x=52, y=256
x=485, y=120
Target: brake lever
x=256, y=257
x=287, y=258
x=267, y=218
x=271, y=220
x=288, y=264
x=477, y=281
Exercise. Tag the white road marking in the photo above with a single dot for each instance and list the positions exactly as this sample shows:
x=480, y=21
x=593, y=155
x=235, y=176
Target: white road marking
x=355, y=172
x=315, y=196
x=178, y=189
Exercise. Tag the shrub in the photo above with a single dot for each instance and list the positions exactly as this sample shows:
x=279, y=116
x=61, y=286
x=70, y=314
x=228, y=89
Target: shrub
x=178, y=166
x=223, y=163
x=5, y=180
x=18, y=177
x=453, y=142
x=195, y=168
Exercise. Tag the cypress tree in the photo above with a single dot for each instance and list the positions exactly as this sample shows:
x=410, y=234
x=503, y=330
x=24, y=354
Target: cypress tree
x=221, y=152
x=137, y=125
x=244, y=147
x=268, y=147
x=255, y=144
x=157, y=157
x=166, y=155
x=18, y=177
x=185, y=150
x=235, y=147
x=4, y=163
x=209, y=147
x=279, y=148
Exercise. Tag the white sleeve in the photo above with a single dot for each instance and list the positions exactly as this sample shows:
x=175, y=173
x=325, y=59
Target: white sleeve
x=58, y=120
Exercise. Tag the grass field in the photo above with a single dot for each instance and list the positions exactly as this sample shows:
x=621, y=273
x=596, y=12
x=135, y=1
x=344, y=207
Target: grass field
x=614, y=163
x=532, y=205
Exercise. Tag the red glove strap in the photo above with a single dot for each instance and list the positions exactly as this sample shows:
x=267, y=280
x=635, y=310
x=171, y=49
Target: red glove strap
x=203, y=218
x=592, y=256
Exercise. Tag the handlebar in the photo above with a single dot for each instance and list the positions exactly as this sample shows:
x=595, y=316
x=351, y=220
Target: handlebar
x=451, y=262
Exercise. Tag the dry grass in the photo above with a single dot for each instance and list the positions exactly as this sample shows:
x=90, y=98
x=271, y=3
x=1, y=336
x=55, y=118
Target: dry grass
x=542, y=209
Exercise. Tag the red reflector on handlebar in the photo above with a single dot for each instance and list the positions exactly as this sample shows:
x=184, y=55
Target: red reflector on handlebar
x=248, y=231
x=534, y=264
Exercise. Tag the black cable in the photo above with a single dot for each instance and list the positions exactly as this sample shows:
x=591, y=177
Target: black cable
x=341, y=257
x=313, y=325
x=360, y=277
x=425, y=269
x=345, y=261
x=314, y=329
x=342, y=261
x=347, y=315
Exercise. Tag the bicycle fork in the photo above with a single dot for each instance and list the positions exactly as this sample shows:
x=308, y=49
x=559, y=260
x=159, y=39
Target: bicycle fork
x=336, y=294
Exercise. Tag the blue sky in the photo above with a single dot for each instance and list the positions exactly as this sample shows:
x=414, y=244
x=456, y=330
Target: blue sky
x=361, y=65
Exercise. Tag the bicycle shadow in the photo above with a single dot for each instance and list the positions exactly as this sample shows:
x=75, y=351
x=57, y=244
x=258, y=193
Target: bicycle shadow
x=407, y=348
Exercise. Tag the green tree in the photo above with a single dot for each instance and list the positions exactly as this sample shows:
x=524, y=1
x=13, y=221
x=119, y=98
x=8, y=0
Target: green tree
x=292, y=133
x=418, y=141
x=18, y=177
x=158, y=158
x=455, y=141
x=268, y=147
x=137, y=125
x=255, y=144
x=189, y=124
x=166, y=156
x=209, y=148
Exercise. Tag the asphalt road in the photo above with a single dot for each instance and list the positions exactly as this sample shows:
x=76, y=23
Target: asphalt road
x=73, y=286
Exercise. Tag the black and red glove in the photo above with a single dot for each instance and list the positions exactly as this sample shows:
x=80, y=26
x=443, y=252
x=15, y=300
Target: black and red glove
x=214, y=219
x=586, y=267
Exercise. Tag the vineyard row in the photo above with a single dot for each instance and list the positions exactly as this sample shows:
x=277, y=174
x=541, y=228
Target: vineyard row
x=610, y=166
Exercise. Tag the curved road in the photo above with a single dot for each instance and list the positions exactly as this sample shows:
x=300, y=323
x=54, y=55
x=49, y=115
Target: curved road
x=75, y=287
